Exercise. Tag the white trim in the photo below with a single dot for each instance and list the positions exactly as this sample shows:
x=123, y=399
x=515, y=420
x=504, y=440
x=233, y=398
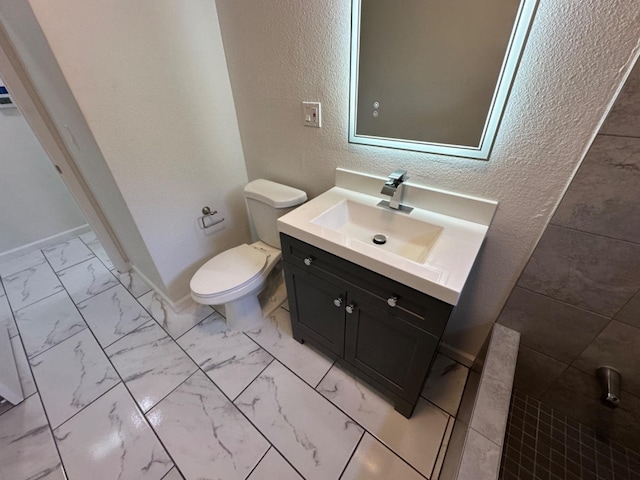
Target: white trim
x=34, y=111
x=178, y=306
x=45, y=242
x=459, y=356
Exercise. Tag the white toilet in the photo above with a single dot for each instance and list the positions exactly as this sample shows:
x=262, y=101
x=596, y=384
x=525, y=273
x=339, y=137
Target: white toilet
x=236, y=276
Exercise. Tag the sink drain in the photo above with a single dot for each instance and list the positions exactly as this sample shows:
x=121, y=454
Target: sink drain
x=379, y=239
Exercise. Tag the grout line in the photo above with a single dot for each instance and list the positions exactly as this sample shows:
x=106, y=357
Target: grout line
x=198, y=368
x=259, y=461
x=353, y=452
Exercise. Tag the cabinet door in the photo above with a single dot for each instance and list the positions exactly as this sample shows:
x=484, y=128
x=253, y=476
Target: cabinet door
x=381, y=344
x=317, y=308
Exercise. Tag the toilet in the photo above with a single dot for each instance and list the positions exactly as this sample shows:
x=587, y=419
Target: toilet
x=235, y=277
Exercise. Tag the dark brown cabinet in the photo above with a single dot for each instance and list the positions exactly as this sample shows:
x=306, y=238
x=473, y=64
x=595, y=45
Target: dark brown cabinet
x=383, y=331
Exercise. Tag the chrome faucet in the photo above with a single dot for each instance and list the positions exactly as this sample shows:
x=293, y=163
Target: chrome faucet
x=394, y=188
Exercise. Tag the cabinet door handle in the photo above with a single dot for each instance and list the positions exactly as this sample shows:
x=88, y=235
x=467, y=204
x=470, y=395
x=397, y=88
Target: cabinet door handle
x=350, y=308
x=308, y=261
x=337, y=301
x=392, y=301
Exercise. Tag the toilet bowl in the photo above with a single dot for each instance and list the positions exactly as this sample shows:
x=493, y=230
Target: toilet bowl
x=235, y=277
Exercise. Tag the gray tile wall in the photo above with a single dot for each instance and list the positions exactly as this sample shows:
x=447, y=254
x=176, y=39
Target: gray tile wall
x=577, y=303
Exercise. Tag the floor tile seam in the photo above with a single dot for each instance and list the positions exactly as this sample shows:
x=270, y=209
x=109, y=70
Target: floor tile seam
x=95, y=294
x=73, y=265
x=51, y=432
x=87, y=405
x=466, y=380
x=29, y=358
x=93, y=256
x=14, y=406
x=4, y=277
x=213, y=312
x=248, y=384
x=132, y=398
x=54, y=346
x=383, y=442
x=258, y=463
x=324, y=376
x=281, y=362
x=14, y=310
x=115, y=273
x=440, y=448
x=139, y=327
x=355, y=448
x=199, y=369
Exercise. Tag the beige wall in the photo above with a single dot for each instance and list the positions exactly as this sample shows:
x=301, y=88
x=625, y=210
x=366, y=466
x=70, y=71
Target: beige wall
x=151, y=81
x=34, y=52
x=36, y=204
x=281, y=52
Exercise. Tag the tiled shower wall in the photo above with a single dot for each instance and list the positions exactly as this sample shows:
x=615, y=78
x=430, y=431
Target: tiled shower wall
x=577, y=303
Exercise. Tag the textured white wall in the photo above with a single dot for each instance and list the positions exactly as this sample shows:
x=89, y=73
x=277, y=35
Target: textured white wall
x=22, y=28
x=282, y=52
x=35, y=202
x=151, y=80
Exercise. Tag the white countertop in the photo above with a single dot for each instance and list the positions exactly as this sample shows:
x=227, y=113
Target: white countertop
x=446, y=268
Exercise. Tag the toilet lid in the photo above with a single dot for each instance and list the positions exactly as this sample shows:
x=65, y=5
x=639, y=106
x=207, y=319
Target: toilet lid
x=227, y=270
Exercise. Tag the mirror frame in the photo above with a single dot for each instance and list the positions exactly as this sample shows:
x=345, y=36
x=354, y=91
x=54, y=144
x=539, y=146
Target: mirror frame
x=513, y=54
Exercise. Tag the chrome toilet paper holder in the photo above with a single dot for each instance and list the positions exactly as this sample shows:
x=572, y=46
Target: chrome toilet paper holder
x=207, y=213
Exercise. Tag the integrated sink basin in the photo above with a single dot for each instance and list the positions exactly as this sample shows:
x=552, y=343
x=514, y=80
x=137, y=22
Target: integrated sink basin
x=401, y=234
x=431, y=249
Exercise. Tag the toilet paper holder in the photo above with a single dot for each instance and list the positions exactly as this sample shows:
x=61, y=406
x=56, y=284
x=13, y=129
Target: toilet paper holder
x=207, y=214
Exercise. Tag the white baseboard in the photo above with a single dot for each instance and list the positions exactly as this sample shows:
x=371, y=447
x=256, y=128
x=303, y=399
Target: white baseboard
x=457, y=355
x=178, y=306
x=44, y=243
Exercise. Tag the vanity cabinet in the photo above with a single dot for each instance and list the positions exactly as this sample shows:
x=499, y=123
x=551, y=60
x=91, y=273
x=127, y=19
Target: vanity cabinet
x=383, y=331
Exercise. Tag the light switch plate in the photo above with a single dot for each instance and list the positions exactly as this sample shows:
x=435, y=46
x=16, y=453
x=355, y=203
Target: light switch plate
x=311, y=116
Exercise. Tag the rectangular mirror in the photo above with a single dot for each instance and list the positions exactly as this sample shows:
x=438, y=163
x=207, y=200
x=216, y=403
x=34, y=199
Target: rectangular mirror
x=434, y=75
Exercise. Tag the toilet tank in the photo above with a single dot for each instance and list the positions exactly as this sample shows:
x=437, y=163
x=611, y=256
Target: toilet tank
x=267, y=201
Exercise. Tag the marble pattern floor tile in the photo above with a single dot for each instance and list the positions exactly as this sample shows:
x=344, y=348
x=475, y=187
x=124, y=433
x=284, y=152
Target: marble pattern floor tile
x=27, y=384
x=445, y=384
x=229, y=358
x=112, y=314
x=24, y=262
x=2, y=292
x=67, y=254
x=111, y=439
x=373, y=461
x=150, y=363
x=417, y=439
x=30, y=285
x=173, y=474
x=27, y=449
x=71, y=375
x=274, y=335
x=91, y=241
x=274, y=467
x=443, y=448
x=6, y=317
x=205, y=434
x=48, y=322
x=175, y=323
x=318, y=445
x=87, y=279
x=22, y=365
x=133, y=282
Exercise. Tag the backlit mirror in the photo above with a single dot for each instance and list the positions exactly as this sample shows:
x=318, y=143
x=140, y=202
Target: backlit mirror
x=434, y=75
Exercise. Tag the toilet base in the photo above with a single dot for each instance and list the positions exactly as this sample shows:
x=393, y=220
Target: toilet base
x=243, y=313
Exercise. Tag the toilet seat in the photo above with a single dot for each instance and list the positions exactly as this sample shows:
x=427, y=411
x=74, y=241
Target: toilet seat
x=229, y=270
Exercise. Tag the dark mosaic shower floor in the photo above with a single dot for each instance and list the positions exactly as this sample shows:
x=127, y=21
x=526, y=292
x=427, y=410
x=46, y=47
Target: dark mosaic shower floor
x=543, y=444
